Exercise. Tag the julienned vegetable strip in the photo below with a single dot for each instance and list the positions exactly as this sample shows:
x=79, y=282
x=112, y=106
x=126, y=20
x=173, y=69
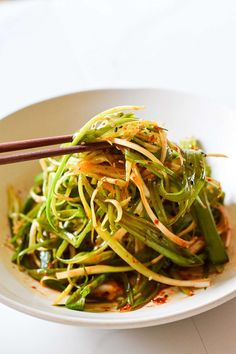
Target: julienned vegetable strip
x=215, y=246
x=115, y=226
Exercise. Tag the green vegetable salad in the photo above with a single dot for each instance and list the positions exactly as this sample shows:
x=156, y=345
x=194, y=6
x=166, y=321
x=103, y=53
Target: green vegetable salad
x=109, y=229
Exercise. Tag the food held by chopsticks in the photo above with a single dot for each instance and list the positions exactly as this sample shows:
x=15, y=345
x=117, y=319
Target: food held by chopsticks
x=112, y=228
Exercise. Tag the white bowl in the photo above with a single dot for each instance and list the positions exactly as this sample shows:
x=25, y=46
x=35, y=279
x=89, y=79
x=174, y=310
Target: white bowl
x=184, y=115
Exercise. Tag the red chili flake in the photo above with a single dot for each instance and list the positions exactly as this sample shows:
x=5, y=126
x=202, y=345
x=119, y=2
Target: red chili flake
x=156, y=221
x=209, y=179
x=160, y=300
x=125, y=308
x=33, y=287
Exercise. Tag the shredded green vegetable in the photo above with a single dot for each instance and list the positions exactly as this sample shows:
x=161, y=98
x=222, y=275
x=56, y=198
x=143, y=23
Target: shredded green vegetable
x=112, y=228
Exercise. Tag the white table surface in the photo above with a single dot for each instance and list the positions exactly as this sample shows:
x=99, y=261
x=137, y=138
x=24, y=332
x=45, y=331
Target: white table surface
x=48, y=48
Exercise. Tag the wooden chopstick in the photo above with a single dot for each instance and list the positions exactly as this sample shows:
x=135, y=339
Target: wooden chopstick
x=33, y=143
x=34, y=155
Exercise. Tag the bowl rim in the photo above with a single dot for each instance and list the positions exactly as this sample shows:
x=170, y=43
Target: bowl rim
x=117, y=88
x=119, y=323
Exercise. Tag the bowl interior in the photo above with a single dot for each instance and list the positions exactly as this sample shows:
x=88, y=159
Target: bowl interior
x=184, y=116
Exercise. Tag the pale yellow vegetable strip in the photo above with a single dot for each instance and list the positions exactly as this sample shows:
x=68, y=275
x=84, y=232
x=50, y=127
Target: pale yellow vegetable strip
x=63, y=294
x=128, y=167
x=33, y=232
x=164, y=145
x=83, y=199
x=94, y=220
x=96, y=269
x=118, y=208
x=217, y=155
x=104, y=221
x=188, y=229
x=157, y=259
x=136, y=147
x=120, y=234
